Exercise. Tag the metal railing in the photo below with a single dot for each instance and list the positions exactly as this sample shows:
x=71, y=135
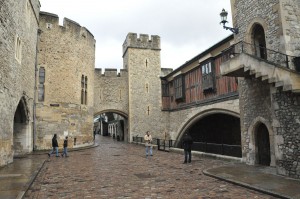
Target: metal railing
x=274, y=57
x=221, y=149
x=162, y=144
x=138, y=139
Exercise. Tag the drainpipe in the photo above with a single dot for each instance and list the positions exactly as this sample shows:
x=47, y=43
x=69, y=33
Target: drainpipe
x=35, y=89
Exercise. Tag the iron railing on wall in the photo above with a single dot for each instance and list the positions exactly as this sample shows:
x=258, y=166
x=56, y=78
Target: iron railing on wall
x=274, y=57
x=221, y=149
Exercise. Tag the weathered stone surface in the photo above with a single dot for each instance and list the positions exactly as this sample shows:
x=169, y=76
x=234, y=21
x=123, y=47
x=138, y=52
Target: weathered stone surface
x=266, y=103
x=18, y=21
x=66, y=53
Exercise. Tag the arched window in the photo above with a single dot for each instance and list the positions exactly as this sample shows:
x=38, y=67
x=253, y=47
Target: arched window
x=259, y=41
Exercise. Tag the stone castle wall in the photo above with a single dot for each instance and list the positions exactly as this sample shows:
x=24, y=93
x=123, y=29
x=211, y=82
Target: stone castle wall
x=18, y=19
x=290, y=17
x=287, y=126
x=66, y=53
x=111, y=91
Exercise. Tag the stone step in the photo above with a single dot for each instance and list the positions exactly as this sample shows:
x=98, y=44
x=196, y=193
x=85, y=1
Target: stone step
x=279, y=84
x=272, y=80
x=258, y=74
x=287, y=87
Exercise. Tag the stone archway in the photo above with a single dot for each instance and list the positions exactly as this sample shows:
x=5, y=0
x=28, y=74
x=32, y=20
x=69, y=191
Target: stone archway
x=263, y=155
x=212, y=133
x=22, y=137
x=258, y=151
x=117, y=129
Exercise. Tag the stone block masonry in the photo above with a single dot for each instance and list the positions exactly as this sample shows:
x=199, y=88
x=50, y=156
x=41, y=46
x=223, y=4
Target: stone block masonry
x=67, y=54
x=18, y=40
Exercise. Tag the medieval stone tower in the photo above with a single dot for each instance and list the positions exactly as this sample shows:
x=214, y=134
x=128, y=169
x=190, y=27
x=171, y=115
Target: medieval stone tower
x=18, y=41
x=267, y=58
x=141, y=57
x=65, y=107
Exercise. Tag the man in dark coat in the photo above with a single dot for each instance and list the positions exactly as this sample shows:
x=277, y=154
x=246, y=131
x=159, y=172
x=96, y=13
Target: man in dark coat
x=54, y=146
x=187, y=146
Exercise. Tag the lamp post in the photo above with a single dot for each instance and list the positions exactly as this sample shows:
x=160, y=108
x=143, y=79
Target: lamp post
x=223, y=15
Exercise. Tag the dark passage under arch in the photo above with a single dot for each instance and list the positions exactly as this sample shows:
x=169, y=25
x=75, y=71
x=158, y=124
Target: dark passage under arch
x=218, y=134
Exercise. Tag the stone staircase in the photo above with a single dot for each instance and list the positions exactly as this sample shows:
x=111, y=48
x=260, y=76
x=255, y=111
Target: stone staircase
x=244, y=65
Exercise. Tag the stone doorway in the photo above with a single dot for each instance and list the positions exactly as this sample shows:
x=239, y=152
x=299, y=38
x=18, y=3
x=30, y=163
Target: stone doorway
x=259, y=41
x=263, y=145
x=22, y=139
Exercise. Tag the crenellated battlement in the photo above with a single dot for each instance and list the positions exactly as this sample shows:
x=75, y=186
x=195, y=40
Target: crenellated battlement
x=111, y=72
x=133, y=41
x=51, y=21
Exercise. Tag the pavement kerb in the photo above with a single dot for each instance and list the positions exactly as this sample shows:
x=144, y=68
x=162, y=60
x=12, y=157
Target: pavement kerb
x=43, y=152
x=28, y=185
x=206, y=172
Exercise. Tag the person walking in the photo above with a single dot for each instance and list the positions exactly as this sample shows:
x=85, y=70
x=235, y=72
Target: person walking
x=148, y=143
x=65, y=152
x=54, y=146
x=187, y=146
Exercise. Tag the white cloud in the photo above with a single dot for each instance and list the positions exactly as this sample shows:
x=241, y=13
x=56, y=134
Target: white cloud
x=186, y=28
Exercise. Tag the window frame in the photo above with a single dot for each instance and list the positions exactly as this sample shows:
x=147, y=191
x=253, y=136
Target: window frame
x=179, y=87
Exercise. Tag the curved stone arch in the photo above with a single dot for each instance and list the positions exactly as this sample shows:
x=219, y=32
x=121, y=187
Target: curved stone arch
x=249, y=32
x=201, y=115
x=113, y=111
x=23, y=109
x=22, y=138
x=252, y=156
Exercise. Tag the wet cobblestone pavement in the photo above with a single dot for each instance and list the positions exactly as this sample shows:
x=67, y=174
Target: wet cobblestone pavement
x=119, y=170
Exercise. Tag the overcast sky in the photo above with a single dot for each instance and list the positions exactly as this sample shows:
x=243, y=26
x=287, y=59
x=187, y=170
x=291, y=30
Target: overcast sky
x=186, y=27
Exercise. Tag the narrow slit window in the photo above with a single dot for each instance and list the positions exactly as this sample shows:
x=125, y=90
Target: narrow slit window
x=18, y=49
x=41, y=86
x=84, y=86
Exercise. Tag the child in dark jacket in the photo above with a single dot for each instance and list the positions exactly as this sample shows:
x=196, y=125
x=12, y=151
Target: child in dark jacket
x=65, y=152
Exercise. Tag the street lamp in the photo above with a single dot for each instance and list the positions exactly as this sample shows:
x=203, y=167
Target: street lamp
x=223, y=15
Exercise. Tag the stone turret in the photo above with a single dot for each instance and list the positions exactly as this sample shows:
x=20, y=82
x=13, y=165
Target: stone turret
x=143, y=42
x=141, y=58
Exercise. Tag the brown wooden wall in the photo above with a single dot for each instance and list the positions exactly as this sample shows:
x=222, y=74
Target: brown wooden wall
x=194, y=92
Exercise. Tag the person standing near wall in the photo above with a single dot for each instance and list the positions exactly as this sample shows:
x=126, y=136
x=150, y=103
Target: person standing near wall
x=148, y=143
x=65, y=152
x=54, y=146
x=187, y=146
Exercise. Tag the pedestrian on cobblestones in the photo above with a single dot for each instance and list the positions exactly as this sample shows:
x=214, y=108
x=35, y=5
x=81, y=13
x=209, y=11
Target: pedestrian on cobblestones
x=148, y=143
x=54, y=146
x=65, y=152
x=187, y=146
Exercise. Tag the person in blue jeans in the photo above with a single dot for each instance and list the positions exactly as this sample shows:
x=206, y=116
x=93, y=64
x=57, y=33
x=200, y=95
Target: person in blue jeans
x=65, y=152
x=54, y=146
x=148, y=143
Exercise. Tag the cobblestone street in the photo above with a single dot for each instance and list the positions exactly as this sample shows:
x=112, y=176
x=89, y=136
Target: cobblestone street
x=118, y=170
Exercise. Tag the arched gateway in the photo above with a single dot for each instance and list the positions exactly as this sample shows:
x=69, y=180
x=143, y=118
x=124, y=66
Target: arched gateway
x=214, y=131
